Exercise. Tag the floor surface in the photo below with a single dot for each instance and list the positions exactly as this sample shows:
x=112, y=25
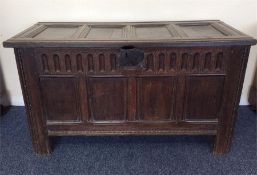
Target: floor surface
x=137, y=155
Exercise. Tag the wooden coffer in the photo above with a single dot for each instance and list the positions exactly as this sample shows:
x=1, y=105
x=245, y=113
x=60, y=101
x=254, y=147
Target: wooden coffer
x=151, y=78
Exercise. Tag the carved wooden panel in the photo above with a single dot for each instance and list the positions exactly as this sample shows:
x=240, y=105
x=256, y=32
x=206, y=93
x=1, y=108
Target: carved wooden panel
x=108, y=99
x=155, y=61
x=252, y=98
x=160, y=61
x=90, y=61
x=61, y=100
x=156, y=98
x=203, y=97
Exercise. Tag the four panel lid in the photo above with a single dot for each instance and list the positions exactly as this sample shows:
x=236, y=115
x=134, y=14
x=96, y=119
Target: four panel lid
x=83, y=34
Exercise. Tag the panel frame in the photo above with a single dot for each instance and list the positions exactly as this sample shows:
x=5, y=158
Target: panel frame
x=139, y=114
x=187, y=89
x=90, y=92
x=77, y=99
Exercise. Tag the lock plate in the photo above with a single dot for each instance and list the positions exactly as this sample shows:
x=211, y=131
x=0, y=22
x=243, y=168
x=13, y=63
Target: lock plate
x=131, y=57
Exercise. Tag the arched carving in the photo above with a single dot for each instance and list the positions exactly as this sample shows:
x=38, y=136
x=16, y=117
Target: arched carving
x=149, y=62
x=67, y=63
x=56, y=63
x=79, y=63
x=207, y=61
x=196, y=61
x=184, y=61
x=113, y=62
x=90, y=62
x=45, y=63
x=173, y=61
x=161, y=61
x=101, y=62
x=219, y=59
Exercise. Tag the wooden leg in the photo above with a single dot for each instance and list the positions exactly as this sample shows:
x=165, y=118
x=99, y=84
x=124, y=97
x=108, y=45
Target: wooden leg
x=31, y=94
x=42, y=147
x=40, y=140
x=222, y=142
x=218, y=147
x=38, y=132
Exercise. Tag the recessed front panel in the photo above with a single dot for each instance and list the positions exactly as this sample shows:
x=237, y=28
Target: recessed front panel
x=156, y=98
x=108, y=99
x=203, y=97
x=60, y=98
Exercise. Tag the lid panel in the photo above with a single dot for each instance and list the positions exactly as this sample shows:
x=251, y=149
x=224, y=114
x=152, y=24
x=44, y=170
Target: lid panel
x=105, y=32
x=152, y=32
x=57, y=32
x=140, y=34
x=201, y=31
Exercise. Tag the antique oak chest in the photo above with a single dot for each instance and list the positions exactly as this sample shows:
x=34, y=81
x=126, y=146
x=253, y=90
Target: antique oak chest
x=145, y=78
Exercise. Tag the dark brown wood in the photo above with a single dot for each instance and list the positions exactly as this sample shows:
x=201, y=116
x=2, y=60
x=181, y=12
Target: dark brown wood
x=156, y=98
x=108, y=99
x=31, y=93
x=205, y=91
x=232, y=91
x=253, y=92
x=160, y=78
x=59, y=107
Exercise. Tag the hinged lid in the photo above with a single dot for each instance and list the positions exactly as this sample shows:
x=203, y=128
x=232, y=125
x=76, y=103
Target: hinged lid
x=145, y=34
